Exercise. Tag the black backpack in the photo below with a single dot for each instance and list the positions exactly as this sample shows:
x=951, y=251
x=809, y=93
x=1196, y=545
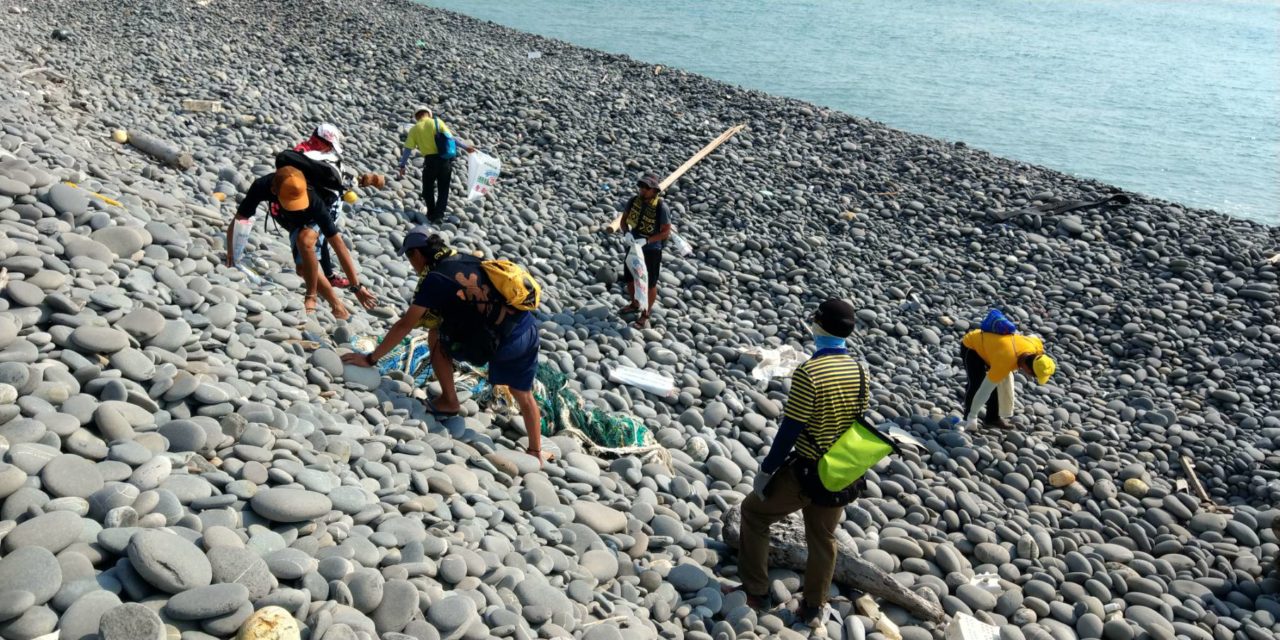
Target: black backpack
x=321, y=176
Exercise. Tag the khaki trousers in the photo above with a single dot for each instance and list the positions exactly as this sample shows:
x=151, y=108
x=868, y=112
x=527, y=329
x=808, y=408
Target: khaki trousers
x=784, y=498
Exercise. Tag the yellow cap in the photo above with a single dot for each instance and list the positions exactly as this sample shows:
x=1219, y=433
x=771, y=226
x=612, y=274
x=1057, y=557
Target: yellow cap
x=1044, y=366
x=350, y=197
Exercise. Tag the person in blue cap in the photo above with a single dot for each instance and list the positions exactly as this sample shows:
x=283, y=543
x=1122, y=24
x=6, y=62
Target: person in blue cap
x=467, y=319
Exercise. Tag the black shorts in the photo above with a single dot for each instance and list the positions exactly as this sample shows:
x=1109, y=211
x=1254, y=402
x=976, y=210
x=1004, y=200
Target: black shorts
x=652, y=263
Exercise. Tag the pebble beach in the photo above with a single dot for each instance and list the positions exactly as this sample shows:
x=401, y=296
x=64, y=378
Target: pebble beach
x=185, y=456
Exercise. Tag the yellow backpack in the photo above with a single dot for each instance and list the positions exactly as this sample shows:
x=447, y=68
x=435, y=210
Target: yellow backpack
x=515, y=284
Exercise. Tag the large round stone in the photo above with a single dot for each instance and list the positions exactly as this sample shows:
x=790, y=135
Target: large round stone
x=131, y=622
x=203, y=603
x=31, y=569
x=290, y=505
x=168, y=561
x=99, y=339
x=71, y=476
x=54, y=531
x=244, y=567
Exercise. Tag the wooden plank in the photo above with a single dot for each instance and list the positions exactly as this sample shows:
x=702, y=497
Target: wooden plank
x=697, y=157
x=1189, y=468
x=688, y=164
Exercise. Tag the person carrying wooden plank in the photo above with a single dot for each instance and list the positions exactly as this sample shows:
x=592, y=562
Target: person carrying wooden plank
x=648, y=219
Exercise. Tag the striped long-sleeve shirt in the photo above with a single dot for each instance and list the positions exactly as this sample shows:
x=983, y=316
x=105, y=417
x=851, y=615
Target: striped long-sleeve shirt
x=827, y=394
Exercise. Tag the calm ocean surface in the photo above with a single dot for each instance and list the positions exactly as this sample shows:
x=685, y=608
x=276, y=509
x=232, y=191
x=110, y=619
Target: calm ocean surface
x=1175, y=99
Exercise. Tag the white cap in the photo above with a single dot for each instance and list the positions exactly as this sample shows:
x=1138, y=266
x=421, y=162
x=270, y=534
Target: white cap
x=330, y=134
x=420, y=108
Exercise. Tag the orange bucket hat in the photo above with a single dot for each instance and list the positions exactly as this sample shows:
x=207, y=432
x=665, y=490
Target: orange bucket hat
x=290, y=187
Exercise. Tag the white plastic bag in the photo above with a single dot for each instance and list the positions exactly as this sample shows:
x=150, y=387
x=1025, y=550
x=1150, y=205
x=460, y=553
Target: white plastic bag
x=482, y=174
x=645, y=380
x=775, y=363
x=679, y=244
x=639, y=274
x=966, y=627
x=240, y=239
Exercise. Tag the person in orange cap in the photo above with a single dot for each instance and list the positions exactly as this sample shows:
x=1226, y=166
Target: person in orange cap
x=297, y=208
x=330, y=178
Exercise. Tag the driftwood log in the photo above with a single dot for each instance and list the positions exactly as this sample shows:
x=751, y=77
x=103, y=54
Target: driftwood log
x=788, y=549
x=161, y=150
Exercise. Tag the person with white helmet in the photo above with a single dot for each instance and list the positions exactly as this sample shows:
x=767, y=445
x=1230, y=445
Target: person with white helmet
x=432, y=138
x=325, y=145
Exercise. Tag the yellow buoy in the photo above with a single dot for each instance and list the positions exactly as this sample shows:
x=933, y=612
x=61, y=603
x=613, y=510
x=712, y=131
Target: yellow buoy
x=120, y=135
x=219, y=196
x=350, y=197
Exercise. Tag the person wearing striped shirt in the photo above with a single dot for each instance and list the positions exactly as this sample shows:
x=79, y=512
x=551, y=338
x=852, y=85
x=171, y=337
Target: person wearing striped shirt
x=828, y=393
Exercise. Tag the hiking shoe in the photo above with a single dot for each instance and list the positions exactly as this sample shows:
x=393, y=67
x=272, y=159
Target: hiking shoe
x=340, y=282
x=758, y=603
x=814, y=617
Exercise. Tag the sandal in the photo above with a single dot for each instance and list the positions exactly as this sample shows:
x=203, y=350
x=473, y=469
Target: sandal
x=642, y=322
x=436, y=413
x=309, y=304
x=630, y=308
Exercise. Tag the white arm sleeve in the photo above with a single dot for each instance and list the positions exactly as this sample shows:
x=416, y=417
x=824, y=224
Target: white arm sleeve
x=980, y=398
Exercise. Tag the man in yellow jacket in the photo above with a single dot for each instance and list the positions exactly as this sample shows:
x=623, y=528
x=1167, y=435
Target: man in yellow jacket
x=991, y=355
x=437, y=163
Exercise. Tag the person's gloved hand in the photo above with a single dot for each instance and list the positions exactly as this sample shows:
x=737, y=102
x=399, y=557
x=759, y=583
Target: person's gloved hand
x=761, y=484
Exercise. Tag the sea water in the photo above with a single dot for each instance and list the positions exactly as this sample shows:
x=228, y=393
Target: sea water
x=1177, y=99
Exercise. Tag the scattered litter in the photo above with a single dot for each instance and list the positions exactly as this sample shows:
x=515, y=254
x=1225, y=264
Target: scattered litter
x=240, y=239
x=202, y=106
x=249, y=273
x=534, y=55
x=645, y=380
x=988, y=582
x=679, y=244
x=901, y=436
x=639, y=275
x=110, y=201
x=966, y=627
x=775, y=363
x=412, y=356
x=482, y=174
x=881, y=622
x=564, y=412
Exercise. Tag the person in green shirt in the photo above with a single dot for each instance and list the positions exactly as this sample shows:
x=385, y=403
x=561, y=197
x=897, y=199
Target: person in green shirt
x=436, y=167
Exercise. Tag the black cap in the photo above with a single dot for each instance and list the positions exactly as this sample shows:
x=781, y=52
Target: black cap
x=837, y=317
x=649, y=180
x=416, y=238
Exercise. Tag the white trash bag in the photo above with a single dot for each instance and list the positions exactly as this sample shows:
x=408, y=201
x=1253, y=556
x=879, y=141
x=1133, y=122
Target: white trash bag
x=639, y=274
x=482, y=174
x=679, y=244
x=645, y=380
x=240, y=239
x=775, y=363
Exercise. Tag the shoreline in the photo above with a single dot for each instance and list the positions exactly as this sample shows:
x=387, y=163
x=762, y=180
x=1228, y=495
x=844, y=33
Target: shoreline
x=857, y=116
x=214, y=416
